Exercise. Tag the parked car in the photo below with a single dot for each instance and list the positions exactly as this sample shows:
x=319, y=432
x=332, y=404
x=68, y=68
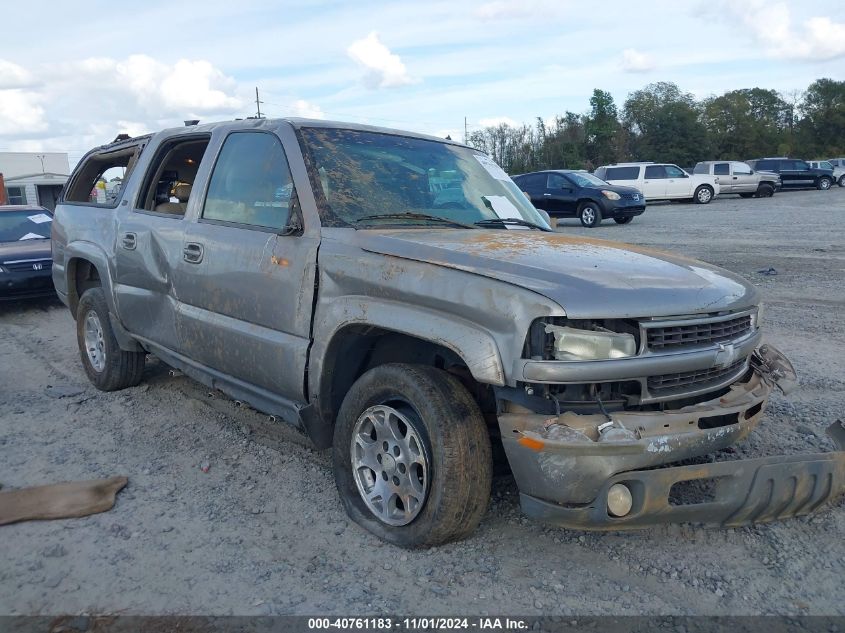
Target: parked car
x=840, y=163
x=794, y=172
x=25, y=259
x=738, y=177
x=837, y=169
x=569, y=193
x=661, y=181
x=310, y=269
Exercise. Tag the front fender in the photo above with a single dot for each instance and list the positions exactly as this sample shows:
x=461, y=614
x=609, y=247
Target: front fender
x=473, y=344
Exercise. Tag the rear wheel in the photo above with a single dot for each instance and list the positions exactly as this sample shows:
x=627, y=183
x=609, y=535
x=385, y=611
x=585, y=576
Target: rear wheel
x=107, y=366
x=747, y=195
x=590, y=214
x=703, y=195
x=624, y=219
x=842, y=180
x=412, y=458
x=824, y=183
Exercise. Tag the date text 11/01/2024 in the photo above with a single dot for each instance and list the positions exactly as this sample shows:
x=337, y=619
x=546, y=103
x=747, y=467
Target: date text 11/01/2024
x=422, y=623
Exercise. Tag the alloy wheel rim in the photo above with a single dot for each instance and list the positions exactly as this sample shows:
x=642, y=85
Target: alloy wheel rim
x=390, y=465
x=589, y=215
x=95, y=345
x=704, y=195
x=825, y=184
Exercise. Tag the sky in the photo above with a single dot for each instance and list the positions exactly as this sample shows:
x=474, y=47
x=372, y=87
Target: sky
x=73, y=79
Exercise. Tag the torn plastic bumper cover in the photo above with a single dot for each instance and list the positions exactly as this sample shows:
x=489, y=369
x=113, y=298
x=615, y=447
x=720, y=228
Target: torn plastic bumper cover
x=569, y=466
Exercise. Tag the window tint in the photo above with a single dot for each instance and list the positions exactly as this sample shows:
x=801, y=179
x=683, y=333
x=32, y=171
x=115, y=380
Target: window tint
x=722, y=169
x=251, y=182
x=741, y=169
x=532, y=182
x=767, y=165
x=99, y=179
x=798, y=165
x=701, y=168
x=672, y=171
x=655, y=171
x=557, y=181
x=622, y=173
x=825, y=165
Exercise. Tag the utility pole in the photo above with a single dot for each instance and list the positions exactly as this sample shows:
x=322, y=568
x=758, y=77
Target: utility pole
x=257, y=103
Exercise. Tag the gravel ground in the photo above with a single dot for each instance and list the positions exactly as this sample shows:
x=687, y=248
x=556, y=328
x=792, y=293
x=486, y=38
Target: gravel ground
x=262, y=531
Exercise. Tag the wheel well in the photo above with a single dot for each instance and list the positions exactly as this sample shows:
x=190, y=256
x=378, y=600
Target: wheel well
x=583, y=200
x=358, y=348
x=82, y=275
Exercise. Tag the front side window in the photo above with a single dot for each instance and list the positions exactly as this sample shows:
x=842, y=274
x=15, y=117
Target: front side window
x=741, y=169
x=557, y=181
x=721, y=169
x=170, y=177
x=673, y=171
x=365, y=178
x=701, y=168
x=251, y=183
x=655, y=172
x=800, y=165
x=825, y=165
x=30, y=224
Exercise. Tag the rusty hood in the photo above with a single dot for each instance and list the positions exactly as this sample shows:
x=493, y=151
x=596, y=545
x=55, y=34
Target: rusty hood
x=588, y=278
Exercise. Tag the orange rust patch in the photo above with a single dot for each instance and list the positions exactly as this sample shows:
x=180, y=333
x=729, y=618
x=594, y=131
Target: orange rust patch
x=279, y=261
x=530, y=442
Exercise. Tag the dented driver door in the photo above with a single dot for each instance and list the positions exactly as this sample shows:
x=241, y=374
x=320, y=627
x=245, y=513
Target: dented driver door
x=245, y=281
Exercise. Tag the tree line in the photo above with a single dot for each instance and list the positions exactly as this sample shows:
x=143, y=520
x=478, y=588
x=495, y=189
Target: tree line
x=662, y=123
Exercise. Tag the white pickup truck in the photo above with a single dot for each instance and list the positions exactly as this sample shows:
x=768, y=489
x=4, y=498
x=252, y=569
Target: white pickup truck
x=662, y=181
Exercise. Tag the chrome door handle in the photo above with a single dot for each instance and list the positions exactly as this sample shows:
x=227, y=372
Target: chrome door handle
x=192, y=253
x=129, y=241
x=547, y=194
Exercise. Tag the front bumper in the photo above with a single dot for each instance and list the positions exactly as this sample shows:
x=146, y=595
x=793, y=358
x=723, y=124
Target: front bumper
x=564, y=466
x=622, y=208
x=26, y=285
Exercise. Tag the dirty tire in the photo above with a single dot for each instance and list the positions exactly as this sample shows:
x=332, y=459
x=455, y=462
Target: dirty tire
x=765, y=191
x=750, y=195
x=120, y=369
x=842, y=180
x=590, y=214
x=624, y=220
x=824, y=184
x=703, y=195
x=454, y=435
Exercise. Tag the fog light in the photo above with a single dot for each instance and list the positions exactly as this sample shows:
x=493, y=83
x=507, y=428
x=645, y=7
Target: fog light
x=619, y=500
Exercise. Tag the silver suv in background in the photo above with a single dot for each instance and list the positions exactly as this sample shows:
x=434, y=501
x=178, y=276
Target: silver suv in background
x=737, y=177
x=837, y=165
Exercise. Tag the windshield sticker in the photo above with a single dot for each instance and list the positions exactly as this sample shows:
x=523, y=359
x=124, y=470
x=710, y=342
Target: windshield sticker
x=504, y=209
x=32, y=236
x=40, y=218
x=492, y=168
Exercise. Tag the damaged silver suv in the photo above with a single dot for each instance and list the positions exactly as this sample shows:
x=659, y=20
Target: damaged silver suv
x=399, y=299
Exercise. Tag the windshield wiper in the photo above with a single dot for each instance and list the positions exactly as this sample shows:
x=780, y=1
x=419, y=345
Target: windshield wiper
x=507, y=221
x=414, y=216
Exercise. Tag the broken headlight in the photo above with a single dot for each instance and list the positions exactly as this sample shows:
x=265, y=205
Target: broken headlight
x=575, y=344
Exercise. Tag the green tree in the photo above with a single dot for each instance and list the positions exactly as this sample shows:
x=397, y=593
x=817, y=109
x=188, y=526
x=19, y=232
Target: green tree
x=747, y=123
x=665, y=124
x=602, y=129
x=821, y=128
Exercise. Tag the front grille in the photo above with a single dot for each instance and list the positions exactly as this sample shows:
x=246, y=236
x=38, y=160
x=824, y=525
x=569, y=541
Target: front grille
x=29, y=265
x=692, y=380
x=631, y=196
x=675, y=336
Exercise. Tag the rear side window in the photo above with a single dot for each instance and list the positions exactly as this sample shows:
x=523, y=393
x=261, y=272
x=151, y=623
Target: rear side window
x=557, y=181
x=532, y=182
x=721, y=169
x=764, y=165
x=251, y=183
x=622, y=173
x=655, y=171
x=100, y=177
x=170, y=177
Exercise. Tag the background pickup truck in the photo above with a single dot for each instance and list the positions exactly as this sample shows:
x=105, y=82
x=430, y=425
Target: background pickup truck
x=398, y=298
x=738, y=177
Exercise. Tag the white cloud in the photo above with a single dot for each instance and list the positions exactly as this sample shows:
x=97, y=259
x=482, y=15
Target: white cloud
x=771, y=24
x=13, y=76
x=634, y=61
x=20, y=113
x=384, y=69
x=515, y=9
x=497, y=121
x=308, y=110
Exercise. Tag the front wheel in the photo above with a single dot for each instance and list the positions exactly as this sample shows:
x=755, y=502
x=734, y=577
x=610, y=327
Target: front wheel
x=842, y=180
x=703, y=195
x=412, y=457
x=108, y=367
x=624, y=219
x=765, y=191
x=590, y=214
x=824, y=184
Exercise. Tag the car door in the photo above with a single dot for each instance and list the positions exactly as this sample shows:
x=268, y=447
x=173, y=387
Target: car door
x=678, y=182
x=245, y=279
x=802, y=175
x=535, y=186
x=722, y=172
x=742, y=179
x=149, y=241
x=654, y=182
x=561, y=194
